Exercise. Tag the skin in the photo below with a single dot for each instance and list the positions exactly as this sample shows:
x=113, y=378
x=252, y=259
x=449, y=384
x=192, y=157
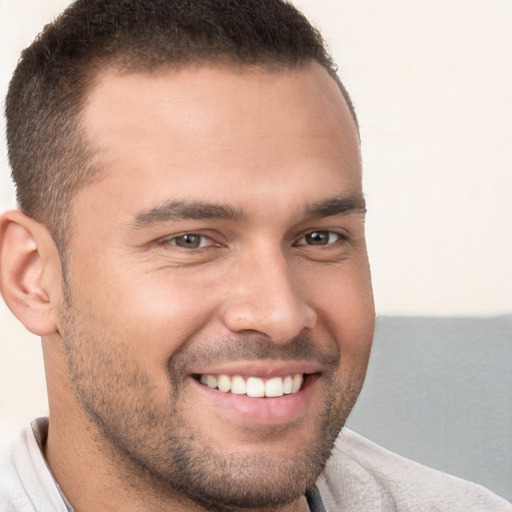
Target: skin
x=141, y=315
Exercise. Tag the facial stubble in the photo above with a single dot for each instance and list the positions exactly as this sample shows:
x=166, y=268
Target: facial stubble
x=149, y=441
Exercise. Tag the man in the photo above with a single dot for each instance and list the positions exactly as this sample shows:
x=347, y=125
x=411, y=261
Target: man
x=190, y=247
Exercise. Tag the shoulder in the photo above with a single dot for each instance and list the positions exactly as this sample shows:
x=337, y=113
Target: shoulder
x=362, y=476
x=26, y=484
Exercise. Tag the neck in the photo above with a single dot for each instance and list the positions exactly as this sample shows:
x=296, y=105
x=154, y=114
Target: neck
x=91, y=481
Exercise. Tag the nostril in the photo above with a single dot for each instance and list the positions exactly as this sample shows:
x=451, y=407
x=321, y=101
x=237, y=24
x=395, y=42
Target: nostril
x=268, y=305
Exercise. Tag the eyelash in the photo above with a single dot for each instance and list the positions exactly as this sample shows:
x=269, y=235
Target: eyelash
x=340, y=237
x=172, y=240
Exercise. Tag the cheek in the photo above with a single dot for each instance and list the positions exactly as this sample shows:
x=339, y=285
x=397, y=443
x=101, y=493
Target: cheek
x=152, y=314
x=345, y=308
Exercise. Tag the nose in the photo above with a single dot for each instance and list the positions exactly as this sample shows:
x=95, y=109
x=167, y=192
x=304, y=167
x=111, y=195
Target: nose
x=265, y=298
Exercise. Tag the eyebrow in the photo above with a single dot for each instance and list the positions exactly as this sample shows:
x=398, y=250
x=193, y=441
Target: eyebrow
x=183, y=210
x=180, y=210
x=337, y=206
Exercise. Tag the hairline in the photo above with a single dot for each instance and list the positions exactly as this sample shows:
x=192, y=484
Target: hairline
x=110, y=66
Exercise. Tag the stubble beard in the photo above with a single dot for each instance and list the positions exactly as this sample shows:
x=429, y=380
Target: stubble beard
x=161, y=454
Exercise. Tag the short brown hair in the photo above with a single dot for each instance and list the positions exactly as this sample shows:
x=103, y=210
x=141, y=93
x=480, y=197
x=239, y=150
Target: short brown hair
x=49, y=159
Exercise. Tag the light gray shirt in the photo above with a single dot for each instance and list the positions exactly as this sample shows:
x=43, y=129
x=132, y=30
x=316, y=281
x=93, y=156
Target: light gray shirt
x=360, y=477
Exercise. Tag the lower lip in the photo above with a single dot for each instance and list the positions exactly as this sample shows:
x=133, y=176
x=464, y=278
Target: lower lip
x=260, y=411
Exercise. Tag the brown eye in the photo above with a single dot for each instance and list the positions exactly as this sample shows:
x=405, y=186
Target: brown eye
x=319, y=238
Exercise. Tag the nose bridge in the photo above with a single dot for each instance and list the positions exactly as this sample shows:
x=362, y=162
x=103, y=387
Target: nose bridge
x=265, y=297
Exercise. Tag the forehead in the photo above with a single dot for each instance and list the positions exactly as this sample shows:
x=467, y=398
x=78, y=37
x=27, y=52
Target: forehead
x=200, y=130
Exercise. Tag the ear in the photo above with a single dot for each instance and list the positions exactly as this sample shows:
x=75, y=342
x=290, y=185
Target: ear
x=30, y=272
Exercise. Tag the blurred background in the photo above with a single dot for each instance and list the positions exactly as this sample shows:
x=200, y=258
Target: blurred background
x=431, y=82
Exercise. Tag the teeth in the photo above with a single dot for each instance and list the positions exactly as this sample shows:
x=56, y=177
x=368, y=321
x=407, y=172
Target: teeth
x=224, y=383
x=274, y=387
x=211, y=381
x=254, y=386
x=297, y=383
x=238, y=385
x=287, y=385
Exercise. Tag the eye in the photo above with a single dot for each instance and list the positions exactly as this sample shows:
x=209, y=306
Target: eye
x=320, y=238
x=189, y=241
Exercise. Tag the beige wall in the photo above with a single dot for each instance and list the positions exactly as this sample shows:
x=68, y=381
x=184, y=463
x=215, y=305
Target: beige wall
x=431, y=82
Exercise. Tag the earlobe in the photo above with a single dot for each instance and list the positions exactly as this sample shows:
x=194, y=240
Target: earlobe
x=28, y=258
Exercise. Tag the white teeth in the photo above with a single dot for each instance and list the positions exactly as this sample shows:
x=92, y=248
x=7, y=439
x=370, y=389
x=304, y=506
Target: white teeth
x=211, y=381
x=254, y=386
x=238, y=385
x=224, y=383
x=274, y=387
x=297, y=382
x=287, y=385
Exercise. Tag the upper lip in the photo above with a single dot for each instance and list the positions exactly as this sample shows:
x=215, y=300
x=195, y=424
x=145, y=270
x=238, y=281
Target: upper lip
x=261, y=369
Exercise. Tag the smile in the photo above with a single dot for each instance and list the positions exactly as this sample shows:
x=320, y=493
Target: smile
x=254, y=387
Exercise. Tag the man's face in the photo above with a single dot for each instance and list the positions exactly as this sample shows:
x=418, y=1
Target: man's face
x=221, y=247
